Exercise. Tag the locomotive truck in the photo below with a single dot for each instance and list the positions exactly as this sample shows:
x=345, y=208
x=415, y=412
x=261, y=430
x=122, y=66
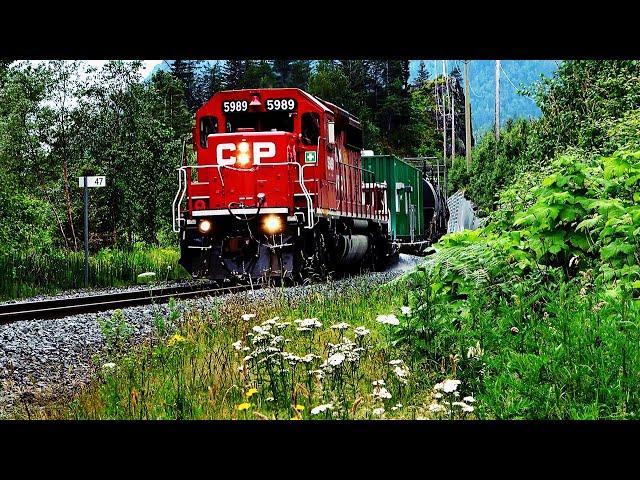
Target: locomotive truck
x=280, y=189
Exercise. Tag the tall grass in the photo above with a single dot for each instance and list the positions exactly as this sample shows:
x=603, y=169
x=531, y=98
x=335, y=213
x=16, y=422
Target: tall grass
x=559, y=350
x=248, y=358
x=33, y=273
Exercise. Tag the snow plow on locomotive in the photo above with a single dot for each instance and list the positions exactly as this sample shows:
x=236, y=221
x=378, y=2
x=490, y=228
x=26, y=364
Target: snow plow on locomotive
x=279, y=190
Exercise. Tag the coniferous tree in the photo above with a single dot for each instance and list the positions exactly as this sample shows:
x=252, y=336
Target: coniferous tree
x=423, y=75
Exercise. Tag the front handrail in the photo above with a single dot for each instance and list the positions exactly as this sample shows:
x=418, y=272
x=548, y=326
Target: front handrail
x=182, y=188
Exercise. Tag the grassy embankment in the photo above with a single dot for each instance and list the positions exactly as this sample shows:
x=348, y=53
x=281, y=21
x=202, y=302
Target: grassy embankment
x=33, y=273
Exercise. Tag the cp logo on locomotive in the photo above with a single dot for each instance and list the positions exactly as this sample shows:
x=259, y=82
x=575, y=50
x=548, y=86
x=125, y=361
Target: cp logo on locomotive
x=261, y=150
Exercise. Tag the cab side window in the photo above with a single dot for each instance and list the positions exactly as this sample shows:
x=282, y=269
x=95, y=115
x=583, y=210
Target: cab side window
x=208, y=125
x=310, y=125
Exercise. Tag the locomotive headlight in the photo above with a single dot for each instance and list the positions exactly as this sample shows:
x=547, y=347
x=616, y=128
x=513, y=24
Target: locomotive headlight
x=243, y=159
x=272, y=224
x=243, y=147
x=204, y=226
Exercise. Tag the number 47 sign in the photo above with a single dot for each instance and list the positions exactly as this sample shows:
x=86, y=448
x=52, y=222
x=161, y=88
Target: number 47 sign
x=92, y=181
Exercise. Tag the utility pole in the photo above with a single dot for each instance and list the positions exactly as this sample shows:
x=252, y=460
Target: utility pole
x=467, y=115
x=444, y=117
x=86, y=231
x=497, y=100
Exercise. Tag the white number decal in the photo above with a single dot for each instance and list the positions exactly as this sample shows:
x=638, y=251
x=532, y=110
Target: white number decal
x=235, y=106
x=281, y=104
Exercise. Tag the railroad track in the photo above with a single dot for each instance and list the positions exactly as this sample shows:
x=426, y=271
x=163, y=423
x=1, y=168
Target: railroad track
x=62, y=307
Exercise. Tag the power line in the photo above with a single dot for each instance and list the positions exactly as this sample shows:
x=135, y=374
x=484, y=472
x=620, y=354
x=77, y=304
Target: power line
x=514, y=87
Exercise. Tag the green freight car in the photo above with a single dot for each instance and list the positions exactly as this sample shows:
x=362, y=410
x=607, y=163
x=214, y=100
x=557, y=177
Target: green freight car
x=417, y=208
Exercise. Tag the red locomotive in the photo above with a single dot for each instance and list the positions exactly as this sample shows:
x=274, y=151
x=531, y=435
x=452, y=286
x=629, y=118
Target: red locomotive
x=278, y=190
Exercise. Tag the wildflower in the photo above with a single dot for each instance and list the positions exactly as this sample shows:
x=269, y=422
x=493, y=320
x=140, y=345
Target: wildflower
x=109, y=366
x=515, y=330
x=397, y=406
x=271, y=321
x=475, y=351
x=381, y=392
x=469, y=399
x=243, y=406
x=177, y=338
x=405, y=310
x=308, y=358
x=378, y=411
x=396, y=362
x=309, y=323
x=321, y=408
x=377, y=382
x=237, y=345
x=400, y=372
x=300, y=408
x=247, y=358
x=340, y=326
x=437, y=395
x=447, y=386
x=245, y=349
x=435, y=408
x=304, y=329
x=463, y=406
x=336, y=359
x=281, y=325
x=248, y=316
x=361, y=332
x=251, y=392
x=269, y=399
x=388, y=319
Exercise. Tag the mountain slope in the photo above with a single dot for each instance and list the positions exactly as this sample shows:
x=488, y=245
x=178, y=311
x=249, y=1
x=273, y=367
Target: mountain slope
x=515, y=74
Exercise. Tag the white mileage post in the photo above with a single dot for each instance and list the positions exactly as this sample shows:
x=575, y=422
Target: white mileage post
x=92, y=181
x=86, y=183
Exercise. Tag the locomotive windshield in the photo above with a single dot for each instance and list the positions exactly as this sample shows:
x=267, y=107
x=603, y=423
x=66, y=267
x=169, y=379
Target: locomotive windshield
x=259, y=121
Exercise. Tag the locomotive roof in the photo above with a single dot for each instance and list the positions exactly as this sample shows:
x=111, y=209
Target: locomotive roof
x=323, y=104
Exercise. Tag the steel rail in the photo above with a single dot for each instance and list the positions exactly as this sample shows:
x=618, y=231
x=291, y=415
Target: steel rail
x=62, y=307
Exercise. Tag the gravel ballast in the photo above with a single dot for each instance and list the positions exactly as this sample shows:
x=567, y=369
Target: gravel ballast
x=42, y=359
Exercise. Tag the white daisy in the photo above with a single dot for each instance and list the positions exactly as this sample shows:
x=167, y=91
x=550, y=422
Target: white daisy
x=435, y=408
x=377, y=382
x=400, y=372
x=381, y=392
x=469, y=399
x=361, y=332
x=321, y=408
x=396, y=362
x=388, y=319
x=405, y=310
x=450, y=385
x=237, y=345
x=340, y=326
x=248, y=316
x=336, y=359
x=109, y=366
x=378, y=411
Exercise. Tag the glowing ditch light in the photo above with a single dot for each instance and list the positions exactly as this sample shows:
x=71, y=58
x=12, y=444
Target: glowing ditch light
x=204, y=226
x=243, y=156
x=272, y=224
